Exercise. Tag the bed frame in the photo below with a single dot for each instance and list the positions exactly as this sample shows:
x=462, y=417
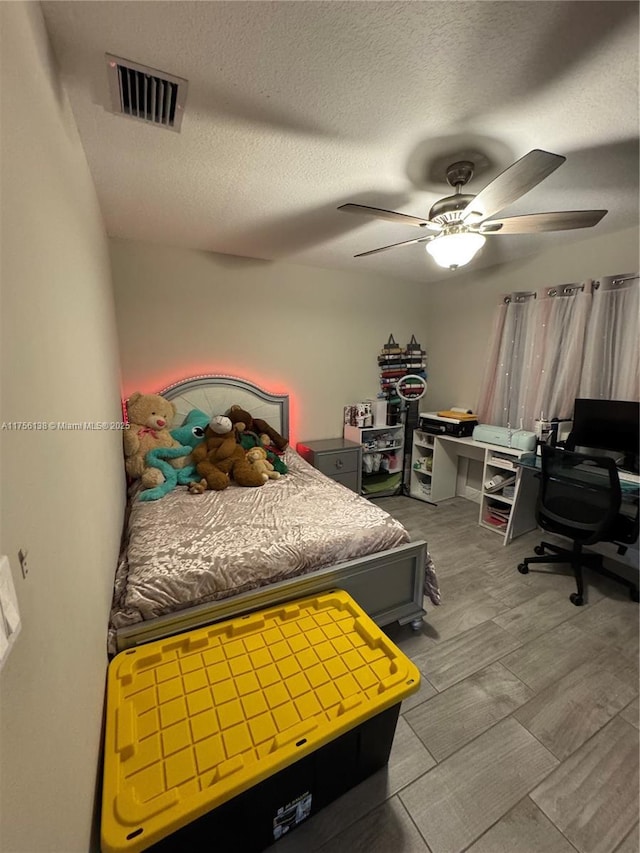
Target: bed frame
x=388, y=585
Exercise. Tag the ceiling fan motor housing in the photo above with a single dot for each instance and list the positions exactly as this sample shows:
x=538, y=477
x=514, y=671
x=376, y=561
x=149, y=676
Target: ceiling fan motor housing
x=447, y=210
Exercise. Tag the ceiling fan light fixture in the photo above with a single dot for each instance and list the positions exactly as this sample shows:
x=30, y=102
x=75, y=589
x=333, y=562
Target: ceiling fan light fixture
x=463, y=219
x=455, y=249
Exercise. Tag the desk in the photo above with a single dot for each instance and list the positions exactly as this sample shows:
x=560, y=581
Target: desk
x=626, y=554
x=439, y=465
x=439, y=471
x=629, y=483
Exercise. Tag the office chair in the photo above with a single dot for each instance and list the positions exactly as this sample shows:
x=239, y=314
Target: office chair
x=580, y=498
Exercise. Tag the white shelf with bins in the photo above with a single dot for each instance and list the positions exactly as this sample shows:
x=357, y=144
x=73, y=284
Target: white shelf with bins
x=387, y=442
x=421, y=465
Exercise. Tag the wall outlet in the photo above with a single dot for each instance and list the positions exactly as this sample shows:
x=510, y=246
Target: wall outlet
x=22, y=557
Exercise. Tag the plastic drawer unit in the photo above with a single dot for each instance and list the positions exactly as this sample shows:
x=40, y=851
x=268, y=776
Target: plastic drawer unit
x=228, y=736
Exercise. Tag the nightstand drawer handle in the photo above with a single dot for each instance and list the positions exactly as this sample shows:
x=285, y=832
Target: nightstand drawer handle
x=339, y=464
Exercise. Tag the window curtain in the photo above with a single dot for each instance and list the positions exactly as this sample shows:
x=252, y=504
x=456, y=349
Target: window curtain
x=505, y=385
x=559, y=337
x=556, y=344
x=611, y=369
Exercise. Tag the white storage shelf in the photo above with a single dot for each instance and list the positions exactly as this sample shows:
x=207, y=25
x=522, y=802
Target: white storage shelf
x=381, y=440
x=421, y=465
x=495, y=506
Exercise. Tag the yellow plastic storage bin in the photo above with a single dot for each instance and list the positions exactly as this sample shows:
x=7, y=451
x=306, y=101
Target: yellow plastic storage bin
x=243, y=729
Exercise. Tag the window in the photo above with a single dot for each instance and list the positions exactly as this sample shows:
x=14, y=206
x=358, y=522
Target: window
x=549, y=347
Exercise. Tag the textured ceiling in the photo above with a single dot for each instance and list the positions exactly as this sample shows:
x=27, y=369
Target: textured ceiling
x=294, y=108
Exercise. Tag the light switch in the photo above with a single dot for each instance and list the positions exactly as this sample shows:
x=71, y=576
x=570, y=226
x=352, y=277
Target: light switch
x=9, y=613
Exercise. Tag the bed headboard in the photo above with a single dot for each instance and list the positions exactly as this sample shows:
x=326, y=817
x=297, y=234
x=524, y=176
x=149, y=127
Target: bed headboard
x=215, y=394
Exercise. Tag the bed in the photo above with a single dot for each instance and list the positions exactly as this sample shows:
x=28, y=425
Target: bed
x=191, y=560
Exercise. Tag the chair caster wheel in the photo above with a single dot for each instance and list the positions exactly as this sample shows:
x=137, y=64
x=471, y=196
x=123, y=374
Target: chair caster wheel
x=576, y=599
x=634, y=594
x=539, y=550
x=523, y=569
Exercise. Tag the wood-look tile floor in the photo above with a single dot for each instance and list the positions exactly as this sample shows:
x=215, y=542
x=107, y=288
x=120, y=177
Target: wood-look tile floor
x=523, y=737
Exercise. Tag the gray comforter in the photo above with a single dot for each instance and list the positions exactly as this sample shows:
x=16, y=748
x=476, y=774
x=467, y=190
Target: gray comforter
x=185, y=549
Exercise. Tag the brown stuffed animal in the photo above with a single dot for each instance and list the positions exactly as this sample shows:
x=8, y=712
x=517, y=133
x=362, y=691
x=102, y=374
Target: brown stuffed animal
x=218, y=458
x=257, y=456
x=150, y=417
x=243, y=422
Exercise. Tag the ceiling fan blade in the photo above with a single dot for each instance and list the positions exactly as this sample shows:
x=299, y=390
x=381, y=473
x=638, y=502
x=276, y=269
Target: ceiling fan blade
x=389, y=215
x=510, y=185
x=533, y=223
x=394, y=246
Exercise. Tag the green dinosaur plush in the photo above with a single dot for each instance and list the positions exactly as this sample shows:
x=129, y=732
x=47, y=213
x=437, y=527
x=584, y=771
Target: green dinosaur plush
x=190, y=434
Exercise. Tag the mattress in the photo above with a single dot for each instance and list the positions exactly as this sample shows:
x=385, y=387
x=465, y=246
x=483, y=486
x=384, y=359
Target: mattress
x=185, y=549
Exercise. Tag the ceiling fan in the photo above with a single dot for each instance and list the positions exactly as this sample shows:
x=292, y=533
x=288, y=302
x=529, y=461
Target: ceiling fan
x=462, y=221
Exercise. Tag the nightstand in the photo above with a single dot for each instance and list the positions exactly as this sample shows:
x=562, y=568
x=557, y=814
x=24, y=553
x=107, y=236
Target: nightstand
x=336, y=457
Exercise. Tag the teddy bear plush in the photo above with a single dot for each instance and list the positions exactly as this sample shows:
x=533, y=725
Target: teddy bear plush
x=188, y=436
x=257, y=456
x=272, y=453
x=219, y=458
x=149, y=417
x=247, y=440
x=243, y=422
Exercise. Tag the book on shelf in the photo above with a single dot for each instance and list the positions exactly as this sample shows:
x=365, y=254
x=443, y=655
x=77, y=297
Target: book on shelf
x=497, y=511
x=494, y=521
x=460, y=416
x=497, y=517
x=498, y=482
x=502, y=461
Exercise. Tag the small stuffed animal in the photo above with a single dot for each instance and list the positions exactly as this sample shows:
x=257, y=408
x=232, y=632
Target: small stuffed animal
x=189, y=435
x=219, y=457
x=257, y=456
x=240, y=416
x=150, y=417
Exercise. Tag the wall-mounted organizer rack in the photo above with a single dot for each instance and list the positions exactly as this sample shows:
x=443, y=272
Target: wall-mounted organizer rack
x=385, y=447
x=399, y=365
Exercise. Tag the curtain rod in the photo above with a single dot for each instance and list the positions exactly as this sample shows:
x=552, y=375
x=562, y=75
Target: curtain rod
x=625, y=278
x=619, y=280
x=564, y=289
x=519, y=297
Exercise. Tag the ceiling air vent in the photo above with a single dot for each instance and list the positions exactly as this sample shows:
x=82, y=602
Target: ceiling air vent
x=146, y=94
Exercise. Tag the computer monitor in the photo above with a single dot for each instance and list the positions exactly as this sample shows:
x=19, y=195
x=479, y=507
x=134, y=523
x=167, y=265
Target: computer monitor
x=608, y=425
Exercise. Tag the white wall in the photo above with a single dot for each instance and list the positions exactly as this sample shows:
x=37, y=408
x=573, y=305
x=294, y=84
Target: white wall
x=61, y=492
x=315, y=332
x=312, y=332
x=461, y=311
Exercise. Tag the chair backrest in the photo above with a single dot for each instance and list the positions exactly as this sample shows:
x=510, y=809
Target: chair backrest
x=579, y=495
